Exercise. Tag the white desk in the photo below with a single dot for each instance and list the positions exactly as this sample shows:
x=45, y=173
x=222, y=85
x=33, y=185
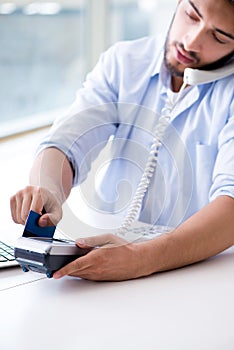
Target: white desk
x=186, y=309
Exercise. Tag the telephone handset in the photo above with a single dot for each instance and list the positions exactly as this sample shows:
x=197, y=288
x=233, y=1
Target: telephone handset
x=191, y=77
x=196, y=76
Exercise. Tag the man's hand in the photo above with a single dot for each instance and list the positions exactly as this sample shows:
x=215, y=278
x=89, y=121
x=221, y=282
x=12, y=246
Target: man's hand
x=112, y=259
x=37, y=199
x=51, y=180
x=205, y=234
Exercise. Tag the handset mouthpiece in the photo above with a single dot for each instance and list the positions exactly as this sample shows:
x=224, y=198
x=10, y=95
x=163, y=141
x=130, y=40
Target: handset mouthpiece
x=197, y=76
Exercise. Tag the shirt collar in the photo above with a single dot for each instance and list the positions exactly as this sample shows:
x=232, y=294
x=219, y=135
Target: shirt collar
x=161, y=70
x=158, y=64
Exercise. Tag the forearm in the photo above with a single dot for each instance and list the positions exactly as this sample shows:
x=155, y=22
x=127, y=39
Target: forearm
x=53, y=171
x=205, y=234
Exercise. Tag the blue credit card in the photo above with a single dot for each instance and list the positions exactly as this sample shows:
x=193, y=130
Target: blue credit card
x=32, y=229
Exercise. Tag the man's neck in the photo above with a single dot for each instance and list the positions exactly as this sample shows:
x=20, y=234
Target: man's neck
x=176, y=83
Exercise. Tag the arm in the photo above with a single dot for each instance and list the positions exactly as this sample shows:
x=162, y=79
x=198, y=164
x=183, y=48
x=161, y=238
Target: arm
x=205, y=234
x=51, y=180
x=79, y=134
x=53, y=171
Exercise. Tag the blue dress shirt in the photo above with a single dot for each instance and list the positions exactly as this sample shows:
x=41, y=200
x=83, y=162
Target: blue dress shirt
x=118, y=107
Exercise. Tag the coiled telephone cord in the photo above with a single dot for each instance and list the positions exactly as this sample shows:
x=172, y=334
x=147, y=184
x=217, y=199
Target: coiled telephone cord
x=151, y=163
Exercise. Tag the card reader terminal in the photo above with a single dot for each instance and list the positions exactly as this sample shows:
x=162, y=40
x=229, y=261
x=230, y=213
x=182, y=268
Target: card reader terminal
x=38, y=251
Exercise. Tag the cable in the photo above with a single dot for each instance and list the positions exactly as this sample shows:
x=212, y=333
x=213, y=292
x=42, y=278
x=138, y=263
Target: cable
x=151, y=163
x=22, y=284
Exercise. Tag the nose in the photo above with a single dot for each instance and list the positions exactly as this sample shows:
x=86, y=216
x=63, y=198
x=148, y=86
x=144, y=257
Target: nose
x=193, y=40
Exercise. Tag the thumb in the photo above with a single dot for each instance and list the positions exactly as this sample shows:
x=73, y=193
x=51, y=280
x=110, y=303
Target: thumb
x=100, y=240
x=47, y=220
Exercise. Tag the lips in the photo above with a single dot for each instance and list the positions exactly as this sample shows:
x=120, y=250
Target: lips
x=183, y=57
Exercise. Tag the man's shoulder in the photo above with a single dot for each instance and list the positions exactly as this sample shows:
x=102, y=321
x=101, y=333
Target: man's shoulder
x=145, y=46
x=136, y=57
x=224, y=87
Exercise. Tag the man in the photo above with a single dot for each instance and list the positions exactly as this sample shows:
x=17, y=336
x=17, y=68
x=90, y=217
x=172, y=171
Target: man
x=199, y=201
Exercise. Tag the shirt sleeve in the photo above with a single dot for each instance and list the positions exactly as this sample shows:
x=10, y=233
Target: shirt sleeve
x=223, y=175
x=86, y=127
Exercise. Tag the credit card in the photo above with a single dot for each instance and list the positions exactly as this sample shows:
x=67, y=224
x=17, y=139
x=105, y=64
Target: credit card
x=32, y=229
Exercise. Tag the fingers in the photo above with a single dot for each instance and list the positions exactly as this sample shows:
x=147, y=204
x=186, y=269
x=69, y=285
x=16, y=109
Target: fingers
x=45, y=221
x=118, y=262
x=49, y=219
x=37, y=201
x=81, y=266
x=23, y=201
x=105, y=240
x=75, y=267
x=35, y=198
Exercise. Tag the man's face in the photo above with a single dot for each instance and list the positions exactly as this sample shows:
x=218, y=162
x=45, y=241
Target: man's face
x=201, y=34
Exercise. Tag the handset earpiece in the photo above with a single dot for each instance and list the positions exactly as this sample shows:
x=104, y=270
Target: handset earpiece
x=196, y=76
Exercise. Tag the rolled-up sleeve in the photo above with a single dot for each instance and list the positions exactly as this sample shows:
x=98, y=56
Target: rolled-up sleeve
x=86, y=127
x=121, y=76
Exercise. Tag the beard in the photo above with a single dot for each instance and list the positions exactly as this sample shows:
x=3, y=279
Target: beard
x=174, y=68
x=218, y=64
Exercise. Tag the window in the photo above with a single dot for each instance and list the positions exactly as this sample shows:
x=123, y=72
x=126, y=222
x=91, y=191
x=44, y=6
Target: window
x=50, y=46
x=42, y=63
x=47, y=49
x=132, y=19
